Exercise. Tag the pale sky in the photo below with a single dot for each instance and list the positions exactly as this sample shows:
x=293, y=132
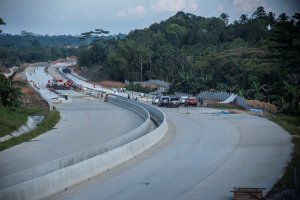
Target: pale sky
x=56, y=17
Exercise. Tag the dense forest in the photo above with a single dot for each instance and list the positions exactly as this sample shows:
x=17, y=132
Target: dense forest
x=256, y=57
x=25, y=38
x=29, y=47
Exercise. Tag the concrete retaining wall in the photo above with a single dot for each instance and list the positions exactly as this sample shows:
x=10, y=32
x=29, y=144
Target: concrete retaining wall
x=31, y=124
x=50, y=178
x=156, y=115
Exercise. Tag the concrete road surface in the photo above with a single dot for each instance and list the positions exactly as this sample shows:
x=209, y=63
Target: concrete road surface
x=205, y=154
x=82, y=125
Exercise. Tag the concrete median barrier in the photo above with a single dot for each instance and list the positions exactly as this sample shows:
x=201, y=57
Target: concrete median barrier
x=55, y=176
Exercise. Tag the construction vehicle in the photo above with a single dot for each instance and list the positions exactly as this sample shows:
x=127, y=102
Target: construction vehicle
x=59, y=84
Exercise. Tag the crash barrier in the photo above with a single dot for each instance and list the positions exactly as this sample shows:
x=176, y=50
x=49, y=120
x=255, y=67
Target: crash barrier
x=31, y=124
x=156, y=115
x=229, y=99
x=77, y=75
x=256, y=112
x=82, y=98
x=79, y=83
x=32, y=183
x=222, y=96
x=47, y=179
x=40, y=92
x=219, y=96
x=90, y=88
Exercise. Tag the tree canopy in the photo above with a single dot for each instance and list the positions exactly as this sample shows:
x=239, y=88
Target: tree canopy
x=10, y=96
x=1, y=23
x=256, y=57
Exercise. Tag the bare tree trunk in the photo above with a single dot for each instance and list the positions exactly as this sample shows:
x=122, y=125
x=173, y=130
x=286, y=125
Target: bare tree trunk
x=139, y=63
x=150, y=66
x=130, y=72
x=141, y=66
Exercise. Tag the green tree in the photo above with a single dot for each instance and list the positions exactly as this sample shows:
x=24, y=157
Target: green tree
x=90, y=34
x=1, y=23
x=225, y=18
x=291, y=97
x=260, y=13
x=176, y=34
x=243, y=19
x=195, y=53
x=10, y=96
x=271, y=18
x=118, y=66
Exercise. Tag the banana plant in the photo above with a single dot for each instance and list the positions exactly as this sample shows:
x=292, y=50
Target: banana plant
x=292, y=97
x=10, y=96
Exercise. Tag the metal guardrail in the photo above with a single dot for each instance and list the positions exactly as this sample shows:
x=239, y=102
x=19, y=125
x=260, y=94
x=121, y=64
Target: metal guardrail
x=220, y=96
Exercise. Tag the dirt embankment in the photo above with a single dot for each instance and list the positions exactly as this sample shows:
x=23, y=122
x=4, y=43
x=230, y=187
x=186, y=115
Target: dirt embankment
x=30, y=97
x=105, y=83
x=262, y=105
x=110, y=84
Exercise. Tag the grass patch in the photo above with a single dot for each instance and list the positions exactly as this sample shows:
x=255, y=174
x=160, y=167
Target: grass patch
x=11, y=120
x=51, y=119
x=292, y=125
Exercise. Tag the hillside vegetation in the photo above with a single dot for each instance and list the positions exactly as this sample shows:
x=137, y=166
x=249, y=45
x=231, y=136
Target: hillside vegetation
x=256, y=57
x=29, y=47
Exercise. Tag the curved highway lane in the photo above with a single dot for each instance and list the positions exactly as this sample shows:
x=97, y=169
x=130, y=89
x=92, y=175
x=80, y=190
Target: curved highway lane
x=203, y=157
x=82, y=125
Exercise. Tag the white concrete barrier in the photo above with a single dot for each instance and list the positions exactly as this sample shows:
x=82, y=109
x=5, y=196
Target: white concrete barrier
x=40, y=77
x=50, y=178
x=258, y=112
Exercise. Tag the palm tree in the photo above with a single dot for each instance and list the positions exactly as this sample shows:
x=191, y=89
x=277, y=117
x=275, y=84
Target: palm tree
x=292, y=97
x=257, y=91
x=243, y=19
x=1, y=23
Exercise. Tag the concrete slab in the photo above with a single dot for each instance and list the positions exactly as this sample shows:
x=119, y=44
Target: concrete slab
x=204, y=156
x=82, y=126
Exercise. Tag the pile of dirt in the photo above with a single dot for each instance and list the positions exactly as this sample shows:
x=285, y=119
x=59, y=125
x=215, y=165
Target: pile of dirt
x=112, y=84
x=77, y=69
x=32, y=98
x=151, y=86
x=88, y=73
x=262, y=105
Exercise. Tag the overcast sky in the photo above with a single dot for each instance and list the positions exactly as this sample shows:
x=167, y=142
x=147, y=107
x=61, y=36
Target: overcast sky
x=56, y=17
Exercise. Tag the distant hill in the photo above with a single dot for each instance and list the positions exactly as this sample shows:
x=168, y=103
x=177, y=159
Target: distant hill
x=256, y=57
x=28, y=38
